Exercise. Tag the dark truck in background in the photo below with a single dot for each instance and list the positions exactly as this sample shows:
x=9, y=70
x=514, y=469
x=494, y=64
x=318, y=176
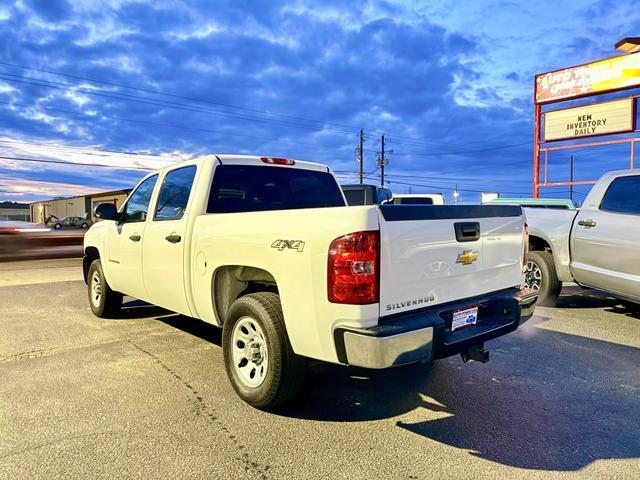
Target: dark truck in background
x=362, y=194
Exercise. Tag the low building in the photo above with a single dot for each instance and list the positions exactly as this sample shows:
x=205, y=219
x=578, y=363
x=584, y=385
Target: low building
x=79, y=206
x=15, y=211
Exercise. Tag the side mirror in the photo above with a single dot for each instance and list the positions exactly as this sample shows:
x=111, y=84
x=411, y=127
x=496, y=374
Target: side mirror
x=106, y=211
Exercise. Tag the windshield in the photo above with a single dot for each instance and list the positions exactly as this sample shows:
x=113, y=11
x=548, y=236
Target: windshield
x=413, y=201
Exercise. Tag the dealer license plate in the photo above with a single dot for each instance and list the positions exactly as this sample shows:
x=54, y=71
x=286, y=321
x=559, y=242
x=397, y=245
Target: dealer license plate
x=464, y=317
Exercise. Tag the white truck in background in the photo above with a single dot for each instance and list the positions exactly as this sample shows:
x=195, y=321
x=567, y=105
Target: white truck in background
x=597, y=246
x=267, y=249
x=417, y=199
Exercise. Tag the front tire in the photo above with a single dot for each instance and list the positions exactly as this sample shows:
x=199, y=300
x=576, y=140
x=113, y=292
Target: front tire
x=104, y=302
x=57, y=226
x=541, y=275
x=84, y=226
x=260, y=363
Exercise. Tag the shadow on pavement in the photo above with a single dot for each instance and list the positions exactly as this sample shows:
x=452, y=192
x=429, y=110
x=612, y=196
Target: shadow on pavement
x=134, y=309
x=547, y=400
x=576, y=297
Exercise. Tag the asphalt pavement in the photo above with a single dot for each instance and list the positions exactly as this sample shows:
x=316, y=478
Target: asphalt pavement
x=146, y=396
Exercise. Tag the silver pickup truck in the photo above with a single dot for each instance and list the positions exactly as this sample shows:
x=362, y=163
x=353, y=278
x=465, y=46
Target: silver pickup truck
x=597, y=246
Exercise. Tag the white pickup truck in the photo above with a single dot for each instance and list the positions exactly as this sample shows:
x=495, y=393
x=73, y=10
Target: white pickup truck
x=268, y=249
x=597, y=247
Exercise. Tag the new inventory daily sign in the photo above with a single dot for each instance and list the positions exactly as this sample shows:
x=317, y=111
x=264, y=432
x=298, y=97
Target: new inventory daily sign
x=599, y=119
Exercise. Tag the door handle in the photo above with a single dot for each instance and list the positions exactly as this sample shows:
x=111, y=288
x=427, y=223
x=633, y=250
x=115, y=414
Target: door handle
x=135, y=237
x=587, y=223
x=173, y=238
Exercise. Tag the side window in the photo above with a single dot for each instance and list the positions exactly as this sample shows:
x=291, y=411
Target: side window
x=174, y=193
x=623, y=196
x=137, y=206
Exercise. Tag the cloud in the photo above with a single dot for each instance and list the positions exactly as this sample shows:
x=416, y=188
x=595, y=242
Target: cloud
x=51, y=11
x=293, y=78
x=31, y=190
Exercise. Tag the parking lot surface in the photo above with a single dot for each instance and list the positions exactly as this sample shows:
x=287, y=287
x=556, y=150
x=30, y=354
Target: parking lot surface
x=146, y=396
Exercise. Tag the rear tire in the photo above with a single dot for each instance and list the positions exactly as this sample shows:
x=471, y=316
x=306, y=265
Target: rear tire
x=541, y=275
x=104, y=302
x=84, y=226
x=260, y=363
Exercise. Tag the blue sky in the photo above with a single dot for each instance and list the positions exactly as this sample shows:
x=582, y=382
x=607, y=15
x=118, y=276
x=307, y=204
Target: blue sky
x=448, y=82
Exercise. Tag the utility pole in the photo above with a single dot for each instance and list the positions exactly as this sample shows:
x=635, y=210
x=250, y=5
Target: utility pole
x=361, y=155
x=382, y=159
x=571, y=180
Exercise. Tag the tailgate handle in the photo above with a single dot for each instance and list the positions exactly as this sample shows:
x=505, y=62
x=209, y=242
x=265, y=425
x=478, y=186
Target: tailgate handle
x=467, y=231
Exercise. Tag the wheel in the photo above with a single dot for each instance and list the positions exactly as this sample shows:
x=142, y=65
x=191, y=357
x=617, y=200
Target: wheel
x=541, y=275
x=84, y=226
x=57, y=226
x=104, y=302
x=263, y=369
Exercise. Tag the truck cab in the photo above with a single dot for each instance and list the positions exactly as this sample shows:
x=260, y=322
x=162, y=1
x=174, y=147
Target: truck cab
x=362, y=194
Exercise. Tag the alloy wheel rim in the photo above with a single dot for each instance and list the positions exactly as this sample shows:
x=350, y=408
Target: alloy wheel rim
x=533, y=276
x=249, y=352
x=96, y=289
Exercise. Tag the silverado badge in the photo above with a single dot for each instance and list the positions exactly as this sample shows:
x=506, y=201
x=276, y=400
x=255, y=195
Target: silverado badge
x=467, y=257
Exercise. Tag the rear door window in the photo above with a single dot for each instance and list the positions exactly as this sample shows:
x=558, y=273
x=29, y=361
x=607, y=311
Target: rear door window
x=250, y=188
x=174, y=193
x=623, y=196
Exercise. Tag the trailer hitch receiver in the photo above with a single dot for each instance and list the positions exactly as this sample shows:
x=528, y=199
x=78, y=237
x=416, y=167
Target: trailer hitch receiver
x=476, y=353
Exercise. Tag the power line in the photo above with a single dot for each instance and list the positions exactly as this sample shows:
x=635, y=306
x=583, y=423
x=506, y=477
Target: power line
x=63, y=162
x=351, y=129
x=157, y=92
x=160, y=103
x=159, y=124
x=84, y=150
x=425, y=154
x=442, y=186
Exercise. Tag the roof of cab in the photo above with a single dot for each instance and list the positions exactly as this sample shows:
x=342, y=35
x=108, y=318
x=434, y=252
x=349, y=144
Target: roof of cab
x=620, y=173
x=257, y=160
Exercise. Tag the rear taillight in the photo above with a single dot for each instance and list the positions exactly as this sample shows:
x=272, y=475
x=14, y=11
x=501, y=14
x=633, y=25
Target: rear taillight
x=525, y=255
x=353, y=268
x=277, y=161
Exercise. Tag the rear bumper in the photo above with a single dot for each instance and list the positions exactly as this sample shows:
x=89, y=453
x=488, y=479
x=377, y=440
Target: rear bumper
x=426, y=335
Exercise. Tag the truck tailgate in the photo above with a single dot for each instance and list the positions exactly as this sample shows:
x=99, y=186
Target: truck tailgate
x=423, y=263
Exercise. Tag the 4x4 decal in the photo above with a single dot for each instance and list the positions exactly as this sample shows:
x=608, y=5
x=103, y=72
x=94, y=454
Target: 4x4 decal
x=292, y=244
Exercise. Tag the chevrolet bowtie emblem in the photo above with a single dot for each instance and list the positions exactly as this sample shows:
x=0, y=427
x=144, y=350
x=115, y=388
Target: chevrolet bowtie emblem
x=467, y=257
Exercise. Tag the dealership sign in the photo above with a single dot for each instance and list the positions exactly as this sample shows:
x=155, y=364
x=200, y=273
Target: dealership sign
x=599, y=77
x=599, y=119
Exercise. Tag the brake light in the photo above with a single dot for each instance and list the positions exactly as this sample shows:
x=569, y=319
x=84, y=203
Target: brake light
x=277, y=161
x=353, y=269
x=525, y=255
